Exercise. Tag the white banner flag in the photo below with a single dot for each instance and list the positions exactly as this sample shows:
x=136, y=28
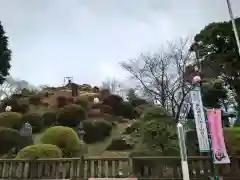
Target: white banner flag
x=200, y=121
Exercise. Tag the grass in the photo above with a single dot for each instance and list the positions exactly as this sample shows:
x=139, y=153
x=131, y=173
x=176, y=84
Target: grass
x=99, y=148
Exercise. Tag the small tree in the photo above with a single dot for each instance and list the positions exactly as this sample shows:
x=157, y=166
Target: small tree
x=157, y=131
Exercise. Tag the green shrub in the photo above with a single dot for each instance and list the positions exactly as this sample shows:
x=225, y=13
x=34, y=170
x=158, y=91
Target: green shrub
x=27, y=92
x=156, y=112
x=10, y=138
x=96, y=130
x=39, y=151
x=139, y=110
x=49, y=118
x=35, y=100
x=138, y=101
x=85, y=87
x=62, y=101
x=83, y=102
x=120, y=144
x=11, y=120
x=160, y=135
x=71, y=115
x=113, y=101
x=22, y=108
x=63, y=137
x=16, y=105
x=125, y=109
x=35, y=120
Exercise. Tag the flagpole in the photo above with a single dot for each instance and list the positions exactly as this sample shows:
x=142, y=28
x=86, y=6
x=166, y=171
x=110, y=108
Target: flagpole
x=234, y=25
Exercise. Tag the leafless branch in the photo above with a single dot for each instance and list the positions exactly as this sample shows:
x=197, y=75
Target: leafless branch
x=162, y=75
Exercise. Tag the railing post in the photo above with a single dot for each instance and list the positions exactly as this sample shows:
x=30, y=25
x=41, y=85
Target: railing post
x=131, y=171
x=81, y=169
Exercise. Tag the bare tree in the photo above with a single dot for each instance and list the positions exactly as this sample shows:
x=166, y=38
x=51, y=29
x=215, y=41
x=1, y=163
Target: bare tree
x=13, y=86
x=162, y=75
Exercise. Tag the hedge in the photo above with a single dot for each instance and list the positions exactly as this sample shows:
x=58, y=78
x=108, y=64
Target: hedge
x=10, y=138
x=35, y=100
x=49, y=118
x=71, y=115
x=83, y=102
x=35, y=120
x=96, y=130
x=62, y=101
x=11, y=120
x=63, y=137
x=38, y=151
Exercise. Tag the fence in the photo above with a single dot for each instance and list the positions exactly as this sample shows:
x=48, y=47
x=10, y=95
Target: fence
x=161, y=168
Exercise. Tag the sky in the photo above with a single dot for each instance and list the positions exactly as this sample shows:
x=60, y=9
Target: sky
x=86, y=39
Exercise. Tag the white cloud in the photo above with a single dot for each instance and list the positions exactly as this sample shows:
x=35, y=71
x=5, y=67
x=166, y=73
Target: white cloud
x=57, y=38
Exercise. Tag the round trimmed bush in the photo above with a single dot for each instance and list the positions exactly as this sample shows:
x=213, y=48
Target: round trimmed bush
x=16, y=106
x=125, y=110
x=71, y=115
x=22, y=108
x=62, y=101
x=82, y=101
x=63, y=137
x=35, y=100
x=96, y=130
x=11, y=120
x=38, y=151
x=113, y=100
x=35, y=120
x=10, y=138
x=49, y=118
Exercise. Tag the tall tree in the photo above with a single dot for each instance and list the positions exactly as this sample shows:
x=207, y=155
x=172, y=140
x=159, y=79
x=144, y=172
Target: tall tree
x=162, y=75
x=214, y=94
x=5, y=55
x=217, y=49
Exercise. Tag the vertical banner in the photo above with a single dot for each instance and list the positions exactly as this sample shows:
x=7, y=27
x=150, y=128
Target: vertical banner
x=200, y=121
x=218, y=144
